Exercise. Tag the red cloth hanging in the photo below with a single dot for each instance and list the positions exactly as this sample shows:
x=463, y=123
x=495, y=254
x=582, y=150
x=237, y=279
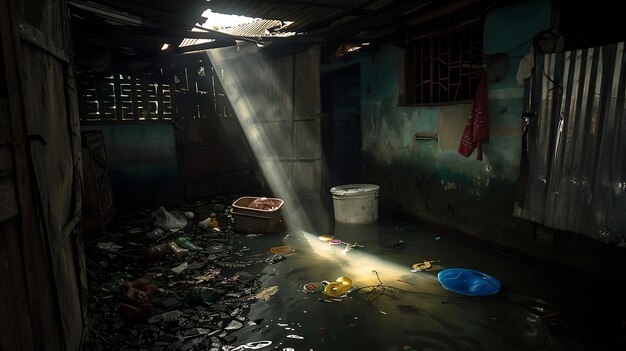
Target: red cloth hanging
x=477, y=126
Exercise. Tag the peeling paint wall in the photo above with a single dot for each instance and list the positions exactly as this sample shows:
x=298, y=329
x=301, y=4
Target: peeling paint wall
x=429, y=179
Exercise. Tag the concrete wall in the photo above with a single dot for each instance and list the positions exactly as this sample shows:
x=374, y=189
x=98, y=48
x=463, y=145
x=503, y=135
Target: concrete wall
x=429, y=179
x=143, y=164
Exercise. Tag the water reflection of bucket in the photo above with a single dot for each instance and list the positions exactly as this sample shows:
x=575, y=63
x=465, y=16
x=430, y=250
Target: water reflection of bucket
x=355, y=203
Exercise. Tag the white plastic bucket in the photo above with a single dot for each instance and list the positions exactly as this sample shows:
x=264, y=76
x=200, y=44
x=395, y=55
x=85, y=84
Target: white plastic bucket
x=355, y=203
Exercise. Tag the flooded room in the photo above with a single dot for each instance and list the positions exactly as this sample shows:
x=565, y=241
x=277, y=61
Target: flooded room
x=312, y=175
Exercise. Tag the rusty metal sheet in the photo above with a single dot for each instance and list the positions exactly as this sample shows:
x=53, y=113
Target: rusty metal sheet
x=576, y=143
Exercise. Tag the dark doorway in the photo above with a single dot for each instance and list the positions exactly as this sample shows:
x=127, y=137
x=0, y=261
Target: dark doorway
x=341, y=126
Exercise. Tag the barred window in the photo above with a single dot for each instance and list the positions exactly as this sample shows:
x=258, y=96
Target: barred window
x=444, y=67
x=118, y=98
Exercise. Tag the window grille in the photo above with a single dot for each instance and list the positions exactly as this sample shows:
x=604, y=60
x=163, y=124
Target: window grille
x=444, y=67
x=118, y=97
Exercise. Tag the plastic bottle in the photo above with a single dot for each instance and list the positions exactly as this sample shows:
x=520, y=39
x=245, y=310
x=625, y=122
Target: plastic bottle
x=156, y=252
x=177, y=250
x=186, y=243
x=213, y=223
x=156, y=233
x=169, y=316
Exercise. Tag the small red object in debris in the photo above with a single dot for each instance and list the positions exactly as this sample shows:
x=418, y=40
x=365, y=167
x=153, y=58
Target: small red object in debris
x=263, y=203
x=135, y=304
x=335, y=241
x=311, y=287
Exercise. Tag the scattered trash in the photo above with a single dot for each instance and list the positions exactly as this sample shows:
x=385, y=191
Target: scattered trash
x=208, y=276
x=325, y=238
x=275, y=259
x=408, y=348
x=337, y=288
x=265, y=294
x=263, y=203
x=135, y=304
x=136, y=301
x=117, y=282
x=255, y=345
x=109, y=246
x=312, y=287
x=335, y=242
x=356, y=246
x=234, y=325
x=177, y=250
x=468, y=282
x=293, y=336
x=156, y=233
x=171, y=220
x=210, y=222
x=156, y=252
x=201, y=296
x=185, y=242
x=437, y=237
x=422, y=266
x=205, y=306
x=166, y=317
x=181, y=267
x=281, y=250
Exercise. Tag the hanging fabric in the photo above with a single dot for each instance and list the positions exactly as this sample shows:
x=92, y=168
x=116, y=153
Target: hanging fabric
x=477, y=126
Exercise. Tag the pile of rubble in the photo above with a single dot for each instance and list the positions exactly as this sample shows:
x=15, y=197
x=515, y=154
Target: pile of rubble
x=158, y=281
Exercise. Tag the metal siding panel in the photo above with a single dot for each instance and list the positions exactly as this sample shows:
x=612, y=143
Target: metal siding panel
x=608, y=191
x=580, y=144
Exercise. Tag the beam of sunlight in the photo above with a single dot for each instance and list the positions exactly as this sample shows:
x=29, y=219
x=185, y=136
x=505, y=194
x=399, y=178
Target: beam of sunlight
x=257, y=96
x=259, y=102
x=360, y=266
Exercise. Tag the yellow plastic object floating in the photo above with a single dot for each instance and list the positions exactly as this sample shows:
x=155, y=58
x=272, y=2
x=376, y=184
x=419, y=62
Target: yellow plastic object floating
x=339, y=287
x=281, y=250
x=422, y=266
x=326, y=238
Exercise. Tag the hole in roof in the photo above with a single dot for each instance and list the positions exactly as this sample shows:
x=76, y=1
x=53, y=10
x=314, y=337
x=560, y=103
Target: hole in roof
x=218, y=21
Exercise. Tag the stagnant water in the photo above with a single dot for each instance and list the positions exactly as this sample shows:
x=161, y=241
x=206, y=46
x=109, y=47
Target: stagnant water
x=393, y=308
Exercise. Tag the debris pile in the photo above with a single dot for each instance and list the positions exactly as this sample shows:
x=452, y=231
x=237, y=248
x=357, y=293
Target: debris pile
x=158, y=280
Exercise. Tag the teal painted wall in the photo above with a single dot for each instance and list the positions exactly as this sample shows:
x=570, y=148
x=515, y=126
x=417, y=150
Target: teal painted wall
x=429, y=179
x=143, y=164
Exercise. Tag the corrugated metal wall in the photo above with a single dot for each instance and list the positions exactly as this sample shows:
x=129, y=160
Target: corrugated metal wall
x=577, y=143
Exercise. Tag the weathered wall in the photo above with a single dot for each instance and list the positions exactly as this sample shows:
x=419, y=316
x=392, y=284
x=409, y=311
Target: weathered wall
x=143, y=164
x=429, y=179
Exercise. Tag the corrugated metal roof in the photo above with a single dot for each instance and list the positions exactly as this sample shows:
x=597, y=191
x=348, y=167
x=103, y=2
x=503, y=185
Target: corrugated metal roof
x=307, y=15
x=260, y=28
x=140, y=27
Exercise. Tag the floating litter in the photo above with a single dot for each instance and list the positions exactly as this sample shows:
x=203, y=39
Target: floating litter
x=325, y=238
x=335, y=242
x=422, y=266
x=293, y=336
x=468, y=282
x=281, y=249
x=311, y=287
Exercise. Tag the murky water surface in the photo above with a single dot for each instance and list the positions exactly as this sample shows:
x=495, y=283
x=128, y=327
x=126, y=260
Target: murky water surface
x=393, y=308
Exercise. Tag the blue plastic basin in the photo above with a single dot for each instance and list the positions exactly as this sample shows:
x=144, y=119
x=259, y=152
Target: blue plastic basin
x=468, y=282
